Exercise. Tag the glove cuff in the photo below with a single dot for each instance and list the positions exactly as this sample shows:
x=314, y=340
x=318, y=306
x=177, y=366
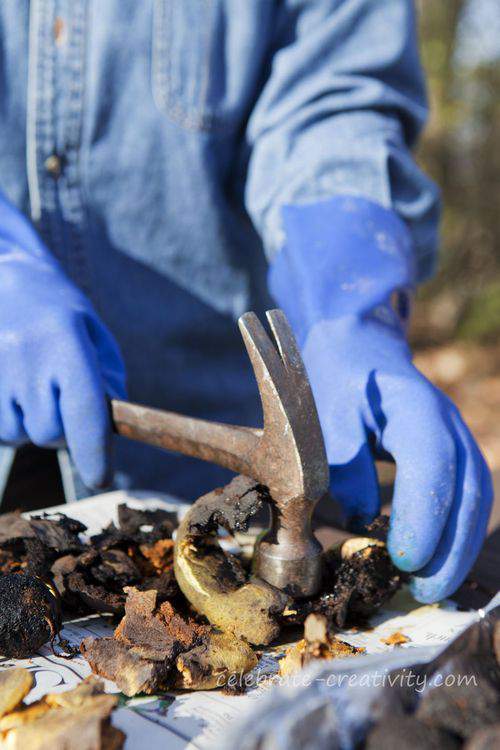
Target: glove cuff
x=346, y=256
x=18, y=235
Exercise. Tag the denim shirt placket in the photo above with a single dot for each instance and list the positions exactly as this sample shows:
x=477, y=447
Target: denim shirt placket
x=54, y=127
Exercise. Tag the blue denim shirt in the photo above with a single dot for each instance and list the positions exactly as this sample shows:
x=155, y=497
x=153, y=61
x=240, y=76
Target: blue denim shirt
x=153, y=145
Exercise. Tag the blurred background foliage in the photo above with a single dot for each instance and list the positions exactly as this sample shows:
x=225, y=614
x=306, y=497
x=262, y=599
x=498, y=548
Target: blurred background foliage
x=460, y=149
x=456, y=326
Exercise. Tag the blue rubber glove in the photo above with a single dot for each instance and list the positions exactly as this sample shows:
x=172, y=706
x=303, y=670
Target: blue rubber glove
x=342, y=261
x=57, y=360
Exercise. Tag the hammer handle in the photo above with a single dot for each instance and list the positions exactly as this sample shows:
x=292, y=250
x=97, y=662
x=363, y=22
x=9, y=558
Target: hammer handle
x=227, y=445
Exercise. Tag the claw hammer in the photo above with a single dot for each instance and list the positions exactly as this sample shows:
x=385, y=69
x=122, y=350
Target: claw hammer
x=287, y=454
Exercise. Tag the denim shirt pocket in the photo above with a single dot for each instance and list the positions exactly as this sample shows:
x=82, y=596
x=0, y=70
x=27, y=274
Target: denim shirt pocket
x=202, y=76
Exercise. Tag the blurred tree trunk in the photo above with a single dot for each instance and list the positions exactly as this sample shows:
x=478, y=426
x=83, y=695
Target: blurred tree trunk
x=439, y=22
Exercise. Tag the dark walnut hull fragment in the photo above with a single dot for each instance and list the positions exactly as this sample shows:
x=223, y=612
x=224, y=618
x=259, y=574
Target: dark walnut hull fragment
x=358, y=579
x=127, y=555
x=30, y=615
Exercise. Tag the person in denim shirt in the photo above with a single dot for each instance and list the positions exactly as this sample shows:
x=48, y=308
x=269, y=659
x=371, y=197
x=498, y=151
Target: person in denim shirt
x=169, y=164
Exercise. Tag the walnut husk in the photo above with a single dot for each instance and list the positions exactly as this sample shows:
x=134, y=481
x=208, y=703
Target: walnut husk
x=214, y=582
x=156, y=648
x=213, y=662
x=15, y=684
x=76, y=720
x=318, y=643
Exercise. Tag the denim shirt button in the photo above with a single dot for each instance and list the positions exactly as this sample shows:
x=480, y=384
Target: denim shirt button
x=53, y=165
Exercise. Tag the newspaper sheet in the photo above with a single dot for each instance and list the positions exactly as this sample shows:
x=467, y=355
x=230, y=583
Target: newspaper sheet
x=198, y=719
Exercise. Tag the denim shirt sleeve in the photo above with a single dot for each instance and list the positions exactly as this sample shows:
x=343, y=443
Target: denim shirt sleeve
x=343, y=105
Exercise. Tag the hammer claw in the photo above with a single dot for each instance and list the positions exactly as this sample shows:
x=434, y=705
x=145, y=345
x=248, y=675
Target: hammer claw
x=266, y=362
x=287, y=345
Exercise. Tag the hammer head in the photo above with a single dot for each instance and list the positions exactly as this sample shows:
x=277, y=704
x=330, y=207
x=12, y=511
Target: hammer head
x=289, y=458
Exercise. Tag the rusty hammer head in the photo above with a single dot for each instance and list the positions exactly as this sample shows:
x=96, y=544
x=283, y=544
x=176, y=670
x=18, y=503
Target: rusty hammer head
x=289, y=457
